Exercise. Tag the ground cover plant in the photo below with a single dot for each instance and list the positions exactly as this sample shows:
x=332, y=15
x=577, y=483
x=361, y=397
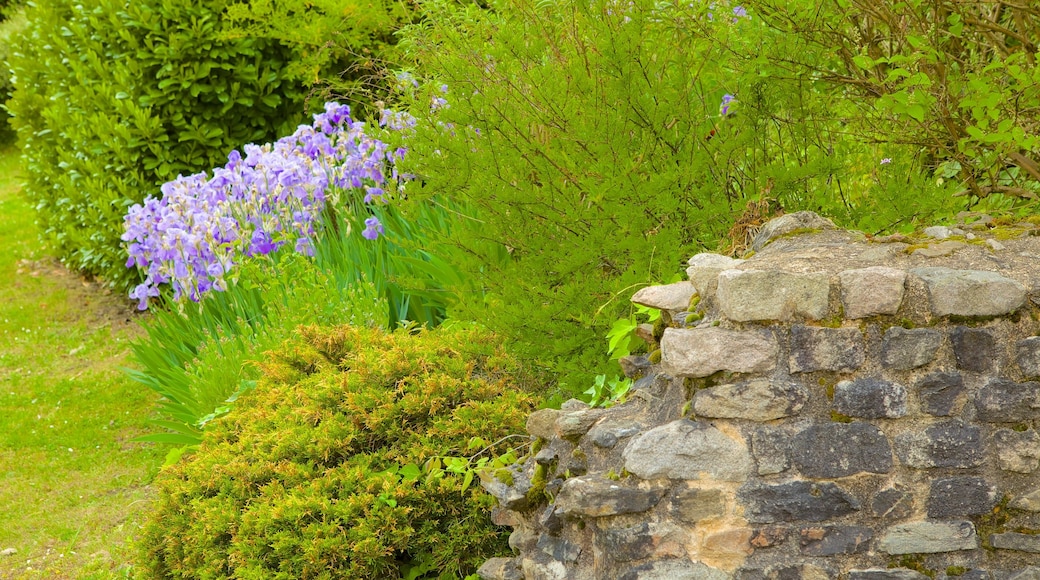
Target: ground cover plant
x=74, y=486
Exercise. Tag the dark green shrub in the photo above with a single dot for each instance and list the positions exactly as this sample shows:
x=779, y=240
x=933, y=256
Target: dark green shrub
x=314, y=474
x=114, y=98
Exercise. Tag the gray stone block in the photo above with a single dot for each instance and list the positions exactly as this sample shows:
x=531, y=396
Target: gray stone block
x=597, y=496
x=975, y=349
x=796, y=501
x=750, y=295
x=626, y=544
x=960, y=496
x=903, y=349
x=1030, y=573
x=970, y=292
x=769, y=446
x=542, y=423
x=830, y=450
x=870, y=398
x=670, y=297
x=694, y=505
x=756, y=400
x=1029, y=501
x=952, y=444
x=872, y=291
x=785, y=224
x=834, y=540
x=704, y=271
x=577, y=423
x=500, y=569
x=929, y=538
x=558, y=549
x=1027, y=355
x=1017, y=451
x=686, y=449
x=825, y=349
x=1016, y=541
x=886, y=574
x=892, y=504
x=705, y=351
x=1004, y=401
x=942, y=394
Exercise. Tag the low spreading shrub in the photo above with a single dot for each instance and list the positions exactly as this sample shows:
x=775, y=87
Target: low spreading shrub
x=317, y=473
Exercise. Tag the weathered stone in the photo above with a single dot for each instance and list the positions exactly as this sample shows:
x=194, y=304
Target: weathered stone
x=1017, y=451
x=796, y=501
x=1004, y=401
x=830, y=450
x=886, y=574
x=500, y=569
x=825, y=349
x=626, y=544
x=749, y=295
x=960, y=496
x=769, y=446
x=937, y=232
x=577, y=423
x=970, y=292
x=686, y=449
x=834, y=540
x=942, y=394
x=606, y=433
x=597, y=496
x=1030, y=573
x=550, y=520
x=543, y=569
x=870, y=398
x=558, y=549
x=929, y=538
x=975, y=349
x=787, y=572
x=892, y=504
x=872, y=291
x=672, y=297
x=674, y=569
x=1016, y=541
x=703, y=352
x=1027, y=355
x=571, y=405
x=768, y=537
x=704, y=271
x=503, y=517
x=903, y=349
x=634, y=366
x=542, y=423
x=757, y=400
x=947, y=444
x=939, y=250
x=511, y=496
x=645, y=331
x=1029, y=502
x=728, y=543
x=523, y=539
x=694, y=505
x=785, y=224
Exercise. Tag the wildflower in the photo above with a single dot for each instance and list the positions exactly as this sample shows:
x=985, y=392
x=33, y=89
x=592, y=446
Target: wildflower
x=886, y=161
x=372, y=228
x=738, y=13
x=724, y=106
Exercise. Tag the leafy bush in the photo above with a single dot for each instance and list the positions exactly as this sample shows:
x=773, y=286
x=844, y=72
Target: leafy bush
x=317, y=472
x=10, y=26
x=113, y=98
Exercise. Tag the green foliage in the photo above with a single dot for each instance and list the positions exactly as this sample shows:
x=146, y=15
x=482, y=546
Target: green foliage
x=621, y=339
x=113, y=98
x=316, y=475
x=9, y=29
x=604, y=393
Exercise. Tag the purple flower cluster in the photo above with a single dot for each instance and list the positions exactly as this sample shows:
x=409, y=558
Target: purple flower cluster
x=275, y=195
x=727, y=99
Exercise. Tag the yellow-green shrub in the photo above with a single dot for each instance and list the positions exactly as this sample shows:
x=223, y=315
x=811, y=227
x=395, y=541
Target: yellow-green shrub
x=295, y=482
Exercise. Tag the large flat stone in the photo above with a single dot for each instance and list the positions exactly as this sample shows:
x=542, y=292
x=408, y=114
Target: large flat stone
x=597, y=496
x=825, y=349
x=903, y=349
x=785, y=224
x=829, y=450
x=870, y=398
x=1004, y=401
x=1017, y=451
x=971, y=292
x=796, y=501
x=749, y=295
x=1016, y=541
x=834, y=540
x=704, y=271
x=951, y=444
x=886, y=574
x=960, y=496
x=703, y=352
x=929, y=538
x=686, y=449
x=671, y=297
x=872, y=291
x=975, y=349
x=755, y=400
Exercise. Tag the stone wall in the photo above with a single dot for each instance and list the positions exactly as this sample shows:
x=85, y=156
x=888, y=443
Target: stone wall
x=832, y=407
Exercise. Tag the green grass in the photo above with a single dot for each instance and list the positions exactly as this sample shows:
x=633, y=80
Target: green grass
x=73, y=487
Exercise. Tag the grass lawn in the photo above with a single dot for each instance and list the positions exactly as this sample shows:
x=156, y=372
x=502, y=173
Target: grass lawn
x=73, y=487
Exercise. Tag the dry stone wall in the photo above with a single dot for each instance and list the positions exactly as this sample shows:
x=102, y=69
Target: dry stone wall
x=832, y=407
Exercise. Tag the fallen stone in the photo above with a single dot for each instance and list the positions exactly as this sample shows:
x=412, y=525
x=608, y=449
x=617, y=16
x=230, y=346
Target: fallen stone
x=942, y=394
x=686, y=449
x=892, y=504
x=929, y=538
x=693, y=505
x=825, y=349
x=1016, y=541
x=1027, y=355
x=903, y=349
x=769, y=446
x=755, y=400
x=673, y=569
x=705, y=351
x=670, y=297
x=953, y=444
x=937, y=232
x=500, y=569
x=596, y=496
x=750, y=295
x=975, y=349
x=542, y=423
x=829, y=450
x=970, y=292
x=796, y=501
x=886, y=574
x=1004, y=401
x=994, y=244
x=872, y=291
x=870, y=398
x=1017, y=451
x=785, y=224
x=704, y=271
x=834, y=540
x=960, y=496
